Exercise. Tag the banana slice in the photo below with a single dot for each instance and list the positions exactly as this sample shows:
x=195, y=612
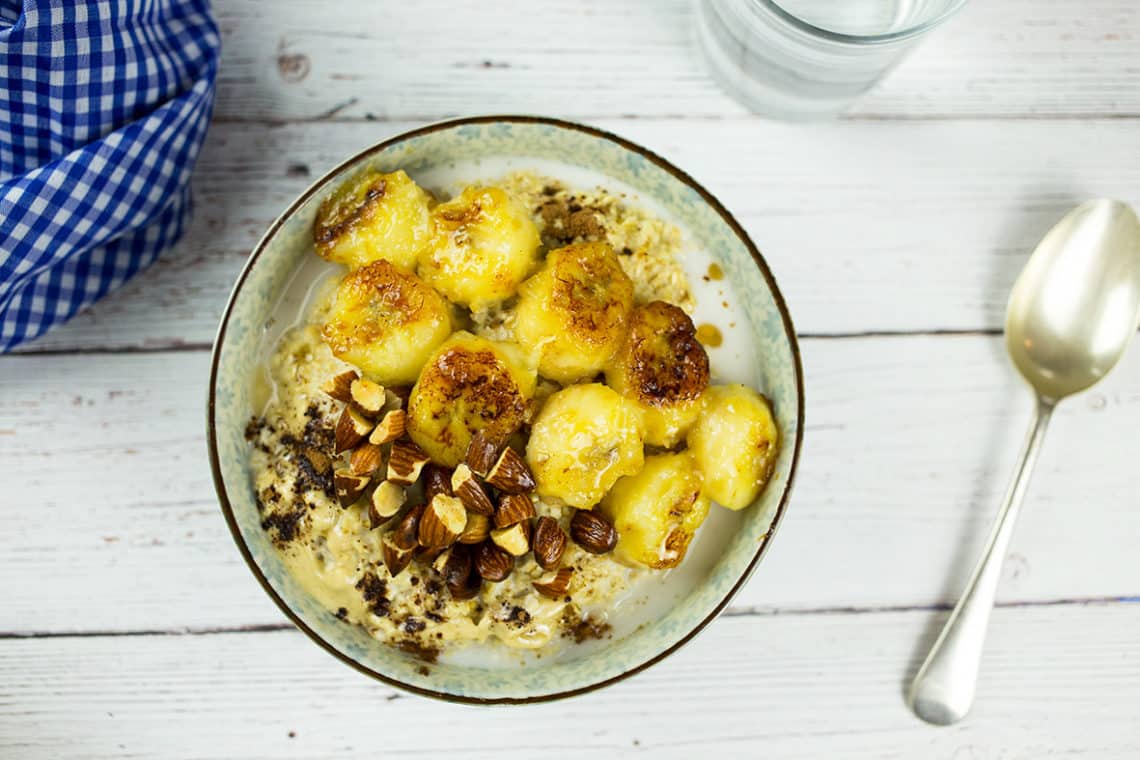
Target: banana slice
x=735, y=442
x=583, y=440
x=374, y=216
x=664, y=369
x=485, y=245
x=657, y=511
x=386, y=322
x=469, y=384
x=573, y=313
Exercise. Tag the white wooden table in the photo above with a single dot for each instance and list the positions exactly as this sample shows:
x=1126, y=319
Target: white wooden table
x=129, y=626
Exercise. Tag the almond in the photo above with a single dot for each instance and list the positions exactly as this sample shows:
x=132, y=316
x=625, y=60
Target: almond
x=393, y=425
x=510, y=473
x=398, y=395
x=437, y=479
x=513, y=508
x=456, y=567
x=555, y=586
x=395, y=558
x=366, y=459
x=549, y=542
x=367, y=395
x=406, y=533
x=482, y=453
x=340, y=387
x=492, y=563
x=351, y=428
x=349, y=487
x=470, y=590
x=515, y=539
x=442, y=522
x=405, y=462
x=592, y=532
x=478, y=528
x=467, y=488
x=385, y=503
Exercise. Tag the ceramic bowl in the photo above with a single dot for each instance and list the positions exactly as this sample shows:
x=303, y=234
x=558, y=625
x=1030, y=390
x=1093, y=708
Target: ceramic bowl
x=763, y=351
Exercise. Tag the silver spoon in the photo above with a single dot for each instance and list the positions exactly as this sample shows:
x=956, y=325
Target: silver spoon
x=1072, y=312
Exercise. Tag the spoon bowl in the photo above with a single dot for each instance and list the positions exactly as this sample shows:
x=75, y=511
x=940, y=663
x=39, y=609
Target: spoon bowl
x=1074, y=308
x=1071, y=315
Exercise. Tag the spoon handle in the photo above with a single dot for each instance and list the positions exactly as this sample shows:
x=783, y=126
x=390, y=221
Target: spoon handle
x=943, y=690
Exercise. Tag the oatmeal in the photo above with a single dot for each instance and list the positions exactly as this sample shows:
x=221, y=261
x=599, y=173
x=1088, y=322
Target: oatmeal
x=492, y=433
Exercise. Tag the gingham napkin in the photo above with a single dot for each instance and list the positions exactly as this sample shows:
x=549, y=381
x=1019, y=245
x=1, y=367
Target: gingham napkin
x=103, y=108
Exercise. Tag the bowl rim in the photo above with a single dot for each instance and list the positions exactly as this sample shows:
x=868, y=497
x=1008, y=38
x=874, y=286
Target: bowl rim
x=314, y=187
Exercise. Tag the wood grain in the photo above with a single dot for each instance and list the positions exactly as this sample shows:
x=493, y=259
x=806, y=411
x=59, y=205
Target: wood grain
x=110, y=508
x=599, y=58
x=1057, y=681
x=868, y=226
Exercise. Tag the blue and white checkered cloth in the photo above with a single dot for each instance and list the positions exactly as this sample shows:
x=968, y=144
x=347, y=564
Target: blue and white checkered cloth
x=103, y=108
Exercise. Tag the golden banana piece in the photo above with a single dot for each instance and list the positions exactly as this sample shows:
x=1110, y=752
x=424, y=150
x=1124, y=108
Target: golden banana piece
x=485, y=244
x=374, y=216
x=583, y=440
x=387, y=322
x=664, y=369
x=469, y=384
x=735, y=442
x=573, y=313
x=657, y=511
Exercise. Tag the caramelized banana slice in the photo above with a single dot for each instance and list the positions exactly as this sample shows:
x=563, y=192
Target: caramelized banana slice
x=657, y=511
x=469, y=384
x=386, y=322
x=664, y=369
x=374, y=216
x=573, y=313
x=583, y=440
x=485, y=244
x=734, y=441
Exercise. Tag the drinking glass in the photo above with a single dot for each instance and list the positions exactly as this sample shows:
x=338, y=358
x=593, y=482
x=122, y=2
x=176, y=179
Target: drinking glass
x=804, y=59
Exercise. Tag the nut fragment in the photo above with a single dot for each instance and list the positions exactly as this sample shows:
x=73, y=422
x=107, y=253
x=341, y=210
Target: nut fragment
x=395, y=558
x=366, y=459
x=405, y=462
x=437, y=479
x=406, y=533
x=392, y=426
x=515, y=539
x=442, y=522
x=549, y=542
x=555, y=586
x=367, y=395
x=467, y=488
x=482, y=453
x=592, y=532
x=456, y=567
x=513, y=508
x=385, y=503
x=398, y=395
x=510, y=473
x=477, y=529
x=339, y=388
x=351, y=428
x=348, y=486
x=492, y=563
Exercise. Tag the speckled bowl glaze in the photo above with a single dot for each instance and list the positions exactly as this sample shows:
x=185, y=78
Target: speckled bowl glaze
x=698, y=598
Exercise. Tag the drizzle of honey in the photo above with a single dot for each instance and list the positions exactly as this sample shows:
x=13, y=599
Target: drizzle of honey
x=715, y=272
x=709, y=335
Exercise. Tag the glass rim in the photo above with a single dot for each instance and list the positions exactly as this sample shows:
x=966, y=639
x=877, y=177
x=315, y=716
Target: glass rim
x=860, y=39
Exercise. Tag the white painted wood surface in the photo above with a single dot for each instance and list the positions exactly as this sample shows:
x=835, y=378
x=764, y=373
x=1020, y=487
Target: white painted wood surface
x=130, y=628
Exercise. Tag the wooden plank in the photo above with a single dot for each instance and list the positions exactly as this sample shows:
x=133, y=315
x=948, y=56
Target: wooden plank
x=886, y=226
x=909, y=444
x=1062, y=680
x=305, y=59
